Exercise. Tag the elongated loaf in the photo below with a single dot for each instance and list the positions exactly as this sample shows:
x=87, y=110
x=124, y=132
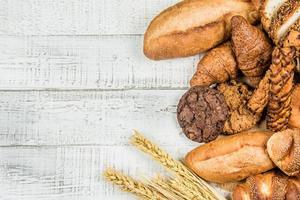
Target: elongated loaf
x=231, y=158
x=193, y=26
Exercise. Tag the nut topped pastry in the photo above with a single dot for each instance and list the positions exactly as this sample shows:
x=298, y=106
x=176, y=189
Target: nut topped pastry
x=201, y=113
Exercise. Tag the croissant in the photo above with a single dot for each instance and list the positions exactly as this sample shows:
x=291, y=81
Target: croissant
x=217, y=66
x=271, y=185
x=284, y=150
x=252, y=49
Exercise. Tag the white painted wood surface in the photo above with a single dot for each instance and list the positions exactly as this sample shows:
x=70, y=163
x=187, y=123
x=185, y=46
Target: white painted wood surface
x=73, y=84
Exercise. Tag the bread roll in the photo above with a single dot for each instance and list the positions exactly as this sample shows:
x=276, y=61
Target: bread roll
x=231, y=158
x=193, y=26
x=271, y=185
x=284, y=150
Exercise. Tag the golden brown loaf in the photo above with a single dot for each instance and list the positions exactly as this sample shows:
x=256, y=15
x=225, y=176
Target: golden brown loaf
x=231, y=158
x=217, y=66
x=271, y=185
x=193, y=26
x=294, y=120
x=281, y=85
x=284, y=150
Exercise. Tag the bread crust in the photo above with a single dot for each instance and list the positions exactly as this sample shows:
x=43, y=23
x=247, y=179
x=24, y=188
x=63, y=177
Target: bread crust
x=284, y=150
x=193, y=26
x=231, y=158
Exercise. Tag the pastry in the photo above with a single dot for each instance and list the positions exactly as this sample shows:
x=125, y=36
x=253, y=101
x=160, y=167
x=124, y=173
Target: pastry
x=201, y=113
x=260, y=97
x=231, y=158
x=252, y=49
x=217, y=66
x=240, y=117
x=271, y=185
x=193, y=26
x=284, y=150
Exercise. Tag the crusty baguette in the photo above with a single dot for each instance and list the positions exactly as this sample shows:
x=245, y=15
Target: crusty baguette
x=193, y=26
x=284, y=150
x=231, y=158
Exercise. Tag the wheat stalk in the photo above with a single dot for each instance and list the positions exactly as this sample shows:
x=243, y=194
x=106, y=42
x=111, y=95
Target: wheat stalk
x=128, y=184
x=175, y=166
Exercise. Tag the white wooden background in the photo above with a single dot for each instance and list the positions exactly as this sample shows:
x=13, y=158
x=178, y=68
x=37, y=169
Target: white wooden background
x=73, y=84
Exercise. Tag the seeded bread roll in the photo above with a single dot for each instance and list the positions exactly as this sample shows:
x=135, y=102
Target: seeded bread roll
x=284, y=150
x=231, y=158
x=193, y=26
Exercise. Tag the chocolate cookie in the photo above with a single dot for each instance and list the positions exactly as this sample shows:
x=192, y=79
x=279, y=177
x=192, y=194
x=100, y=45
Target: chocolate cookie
x=201, y=113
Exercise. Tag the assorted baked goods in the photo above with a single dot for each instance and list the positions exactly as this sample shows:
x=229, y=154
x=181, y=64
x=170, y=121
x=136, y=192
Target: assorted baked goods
x=246, y=78
x=231, y=158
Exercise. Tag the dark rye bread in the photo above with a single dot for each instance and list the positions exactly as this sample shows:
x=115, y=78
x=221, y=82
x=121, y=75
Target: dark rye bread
x=193, y=26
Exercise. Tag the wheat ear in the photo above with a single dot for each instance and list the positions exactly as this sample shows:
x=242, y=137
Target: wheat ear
x=175, y=166
x=135, y=187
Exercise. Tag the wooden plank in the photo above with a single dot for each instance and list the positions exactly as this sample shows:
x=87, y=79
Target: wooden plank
x=105, y=62
x=78, y=17
x=88, y=117
x=71, y=172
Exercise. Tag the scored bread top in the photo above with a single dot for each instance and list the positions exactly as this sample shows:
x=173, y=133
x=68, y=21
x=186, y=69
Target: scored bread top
x=231, y=158
x=230, y=144
x=194, y=13
x=193, y=26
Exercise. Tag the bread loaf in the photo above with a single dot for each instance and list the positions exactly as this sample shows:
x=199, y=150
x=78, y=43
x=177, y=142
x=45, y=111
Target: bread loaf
x=193, y=26
x=295, y=104
x=272, y=185
x=284, y=150
x=231, y=158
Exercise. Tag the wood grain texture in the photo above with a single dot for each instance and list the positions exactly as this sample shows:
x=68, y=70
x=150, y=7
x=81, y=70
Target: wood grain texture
x=88, y=117
x=104, y=62
x=73, y=84
x=78, y=17
x=71, y=173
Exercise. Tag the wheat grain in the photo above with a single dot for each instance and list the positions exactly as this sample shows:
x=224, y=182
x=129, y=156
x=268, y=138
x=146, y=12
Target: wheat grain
x=175, y=166
x=128, y=184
